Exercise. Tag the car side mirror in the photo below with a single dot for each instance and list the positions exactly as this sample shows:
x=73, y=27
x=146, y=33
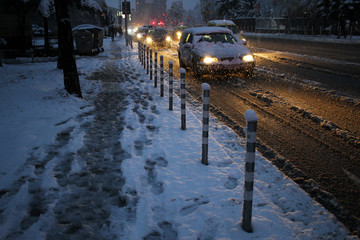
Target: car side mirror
x=188, y=45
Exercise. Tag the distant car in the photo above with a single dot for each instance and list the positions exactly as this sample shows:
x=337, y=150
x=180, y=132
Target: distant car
x=214, y=50
x=230, y=25
x=38, y=31
x=142, y=31
x=178, y=31
x=158, y=37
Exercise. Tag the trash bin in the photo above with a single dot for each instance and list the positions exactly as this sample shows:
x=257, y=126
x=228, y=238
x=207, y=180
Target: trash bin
x=88, y=38
x=84, y=41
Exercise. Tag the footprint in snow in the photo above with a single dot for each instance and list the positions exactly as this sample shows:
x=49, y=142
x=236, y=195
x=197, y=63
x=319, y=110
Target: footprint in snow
x=231, y=183
x=156, y=186
x=166, y=232
x=196, y=202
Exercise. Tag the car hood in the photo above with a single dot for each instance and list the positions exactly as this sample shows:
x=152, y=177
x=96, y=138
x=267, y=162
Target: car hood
x=158, y=37
x=220, y=50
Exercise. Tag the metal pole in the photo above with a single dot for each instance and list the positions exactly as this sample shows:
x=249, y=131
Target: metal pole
x=151, y=65
x=156, y=75
x=205, y=132
x=171, y=74
x=147, y=59
x=250, y=130
x=161, y=75
x=126, y=23
x=182, y=96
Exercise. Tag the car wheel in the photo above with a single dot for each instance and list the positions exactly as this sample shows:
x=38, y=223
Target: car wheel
x=196, y=70
x=181, y=63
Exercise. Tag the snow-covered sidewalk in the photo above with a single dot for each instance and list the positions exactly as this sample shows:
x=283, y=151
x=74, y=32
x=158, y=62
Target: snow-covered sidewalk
x=116, y=165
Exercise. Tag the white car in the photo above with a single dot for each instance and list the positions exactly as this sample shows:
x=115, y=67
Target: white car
x=214, y=50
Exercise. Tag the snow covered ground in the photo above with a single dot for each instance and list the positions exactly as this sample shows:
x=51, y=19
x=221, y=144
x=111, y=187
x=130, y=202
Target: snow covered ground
x=116, y=165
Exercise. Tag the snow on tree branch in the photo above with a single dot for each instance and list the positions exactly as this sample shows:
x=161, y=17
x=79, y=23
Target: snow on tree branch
x=46, y=8
x=93, y=4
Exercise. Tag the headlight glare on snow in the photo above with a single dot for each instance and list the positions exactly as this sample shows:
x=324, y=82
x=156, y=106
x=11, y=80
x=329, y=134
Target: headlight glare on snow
x=148, y=40
x=168, y=38
x=209, y=60
x=248, y=58
x=139, y=36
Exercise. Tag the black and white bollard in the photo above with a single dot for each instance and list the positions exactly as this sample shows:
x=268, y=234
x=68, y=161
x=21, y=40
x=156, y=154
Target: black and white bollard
x=147, y=59
x=155, y=73
x=144, y=55
x=151, y=64
x=171, y=85
x=161, y=75
x=205, y=132
x=139, y=52
x=251, y=119
x=182, y=97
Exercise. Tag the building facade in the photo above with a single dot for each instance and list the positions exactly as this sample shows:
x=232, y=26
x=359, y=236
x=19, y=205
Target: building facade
x=150, y=12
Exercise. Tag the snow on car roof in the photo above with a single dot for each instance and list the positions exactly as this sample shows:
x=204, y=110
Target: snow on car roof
x=206, y=30
x=221, y=22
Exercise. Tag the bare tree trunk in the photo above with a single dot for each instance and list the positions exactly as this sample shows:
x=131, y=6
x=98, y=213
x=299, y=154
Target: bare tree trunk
x=66, y=60
x=46, y=35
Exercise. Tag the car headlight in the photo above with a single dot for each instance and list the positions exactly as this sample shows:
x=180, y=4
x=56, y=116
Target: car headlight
x=148, y=40
x=139, y=36
x=168, y=38
x=209, y=60
x=248, y=58
x=178, y=34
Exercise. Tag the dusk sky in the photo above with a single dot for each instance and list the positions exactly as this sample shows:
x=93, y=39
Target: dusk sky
x=188, y=4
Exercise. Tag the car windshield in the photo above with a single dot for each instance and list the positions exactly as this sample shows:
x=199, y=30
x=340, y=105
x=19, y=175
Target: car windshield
x=218, y=37
x=158, y=32
x=233, y=28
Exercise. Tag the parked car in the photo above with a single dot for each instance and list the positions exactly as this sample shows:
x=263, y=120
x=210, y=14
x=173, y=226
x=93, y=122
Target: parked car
x=214, y=50
x=159, y=37
x=230, y=25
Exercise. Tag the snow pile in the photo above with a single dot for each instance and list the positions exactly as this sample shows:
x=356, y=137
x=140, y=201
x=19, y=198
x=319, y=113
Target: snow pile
x=116, y=165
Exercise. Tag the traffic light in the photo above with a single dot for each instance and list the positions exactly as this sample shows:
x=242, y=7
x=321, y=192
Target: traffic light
x=126, y=9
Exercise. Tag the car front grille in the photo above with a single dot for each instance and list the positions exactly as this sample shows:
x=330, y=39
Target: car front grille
x=227, y=59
